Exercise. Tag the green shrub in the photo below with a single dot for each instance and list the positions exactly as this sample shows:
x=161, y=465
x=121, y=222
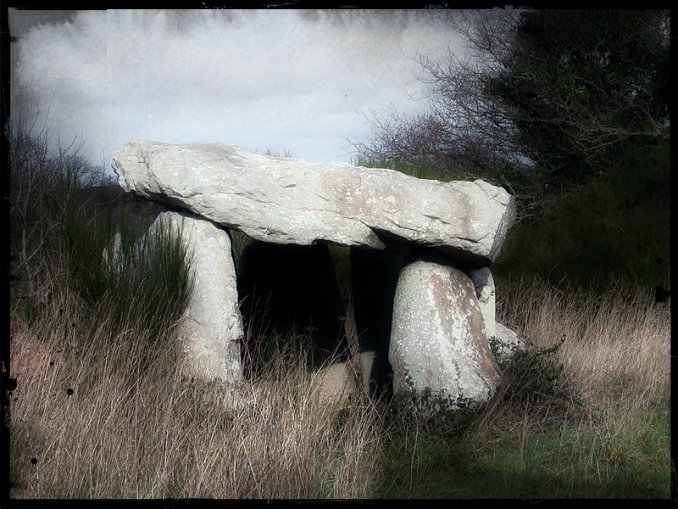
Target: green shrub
x=59, y=228
x=422, y=169
x=43, y=192
x=535, y=377
x=616, y=227
x=145, y=280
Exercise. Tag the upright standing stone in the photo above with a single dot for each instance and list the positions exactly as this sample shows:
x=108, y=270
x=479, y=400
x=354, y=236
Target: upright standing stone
x=211, y=326
x=507, y=343
x=503, y=340
x=484, y=283
x=438, y=343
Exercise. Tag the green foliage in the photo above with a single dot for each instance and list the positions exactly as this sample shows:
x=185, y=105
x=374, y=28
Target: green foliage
x=616, y=227
x=534, y=439
x=432, y=411
x=579, y=85
x=421, y=169
x=146, y=280
x=546, y=99
x=60, y=226
x=535, y=378
x=43, y=190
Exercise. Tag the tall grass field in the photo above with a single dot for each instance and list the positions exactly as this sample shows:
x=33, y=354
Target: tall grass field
x=101, y=410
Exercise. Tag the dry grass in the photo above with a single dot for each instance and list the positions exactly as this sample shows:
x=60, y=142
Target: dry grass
x=616, y=344
x=133, y=432
x=589, y=419
x=101, y=409
x=134, y=429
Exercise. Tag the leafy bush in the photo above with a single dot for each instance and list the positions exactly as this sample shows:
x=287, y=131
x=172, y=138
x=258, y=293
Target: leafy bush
x=535, y=378
x=59, y=232
x=132, y=276
x=616, y=227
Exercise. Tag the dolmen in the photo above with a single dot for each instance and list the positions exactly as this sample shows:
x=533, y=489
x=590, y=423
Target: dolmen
x=449, y=234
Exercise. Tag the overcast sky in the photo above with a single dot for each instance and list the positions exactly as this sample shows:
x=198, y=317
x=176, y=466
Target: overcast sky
x=293, y=81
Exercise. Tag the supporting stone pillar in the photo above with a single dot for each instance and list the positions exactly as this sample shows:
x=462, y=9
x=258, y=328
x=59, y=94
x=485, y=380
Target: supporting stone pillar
x=504, y=342
x=484, y=284
x=438, y=343
x=211, y=327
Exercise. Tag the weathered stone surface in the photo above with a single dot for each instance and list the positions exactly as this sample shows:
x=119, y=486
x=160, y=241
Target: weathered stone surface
x=437, y=340
x=506, y=342
x=368, y=358
x=211, y=327
x=224, y=396
x=337, y=382
x=484, y=283
x=115, y=256
x=286, y=200
x=334, y=384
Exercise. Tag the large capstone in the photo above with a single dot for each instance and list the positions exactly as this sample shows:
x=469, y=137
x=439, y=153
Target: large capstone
x=438, y=342
x=210, y=329
x=292, y=201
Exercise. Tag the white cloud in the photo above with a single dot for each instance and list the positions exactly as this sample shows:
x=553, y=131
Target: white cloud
x=260, y=79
